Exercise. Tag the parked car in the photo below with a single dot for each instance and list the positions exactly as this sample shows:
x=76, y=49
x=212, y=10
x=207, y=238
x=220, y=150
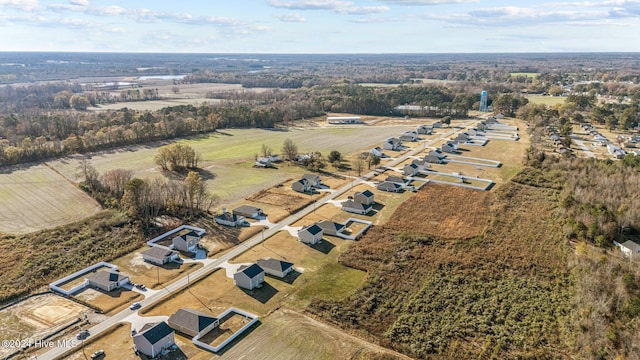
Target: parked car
x=82, y=335
x=97, y=354
x=135, y=306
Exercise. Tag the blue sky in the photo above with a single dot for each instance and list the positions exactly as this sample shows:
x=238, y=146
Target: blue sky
x=319, y=26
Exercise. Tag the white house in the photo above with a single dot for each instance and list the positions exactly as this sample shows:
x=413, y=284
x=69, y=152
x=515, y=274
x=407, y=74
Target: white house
x=448, y=147
x=263, y=162
x=392, y=144
x=249, y=277
x=152, y=339
x=420, y=164
x=311, y=234
x=355, y=207
x=160, y=255
x=344, y=120
x=377, y=151
x=629, y=248
x=186, y=242
x=409, y=135
x=275, y=267
x=425, y=130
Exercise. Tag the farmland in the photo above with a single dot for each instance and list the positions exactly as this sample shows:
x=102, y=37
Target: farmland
x=486, y=277
x=36, y=197
x=545, y=100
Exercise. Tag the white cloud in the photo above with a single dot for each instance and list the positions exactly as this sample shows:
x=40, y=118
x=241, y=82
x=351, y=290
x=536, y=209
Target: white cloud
x=25, y=5
x=294, y=17
x=310, y=4
x=425, y=2
x=363, y=10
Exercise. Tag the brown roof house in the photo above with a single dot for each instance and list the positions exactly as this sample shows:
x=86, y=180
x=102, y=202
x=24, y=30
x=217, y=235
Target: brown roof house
x=108, y=280
x=154, y=338
x=249, y=277
x=275, y=267
x=311, y=234
x=186, y=242
x=160, y=255
x=192, y=322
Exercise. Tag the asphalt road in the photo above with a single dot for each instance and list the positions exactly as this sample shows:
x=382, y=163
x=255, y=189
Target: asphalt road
x=182, y=283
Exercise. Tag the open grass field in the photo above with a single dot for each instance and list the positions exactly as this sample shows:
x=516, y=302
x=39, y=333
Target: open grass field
x=227, y=158
x=545, y=100
x=483, y=274
x=36, y=197
x=290, y=335
x=527, y=74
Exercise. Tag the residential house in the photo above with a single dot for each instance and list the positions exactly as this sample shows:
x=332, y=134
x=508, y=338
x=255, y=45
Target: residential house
x=301, y=186
x=313, y=179
x=422, y=165
x=152, y=339
x=311, y=234
x=186, y=242
x=249, y=211
x=355, y=207
x=262, y=162
x=274, y=158
x=389, y=186
x=392, y=144
x=448, y=147
x=160, y=255
x=462, y=138
x=500, y=116
x=437, y=124
x=492, y=120
x=107, y=280
x=366, y=197
x=249, y=277
x=629, y=248
x=395, y=179
x=275, y=267
x=425, y=130
x=330, y=227
x=192, y=322
x=411, y=170
x=409, y=135
x=344, y=120
x=435, y=157
x=230, y=219
x=482, y=126
x=377, y=151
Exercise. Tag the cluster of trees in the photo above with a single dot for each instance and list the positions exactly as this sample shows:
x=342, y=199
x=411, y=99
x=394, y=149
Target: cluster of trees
x=176, y=157
x=144, y=200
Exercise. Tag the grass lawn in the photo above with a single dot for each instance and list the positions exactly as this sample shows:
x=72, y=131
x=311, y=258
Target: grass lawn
x=142, y=272
x=545, y=100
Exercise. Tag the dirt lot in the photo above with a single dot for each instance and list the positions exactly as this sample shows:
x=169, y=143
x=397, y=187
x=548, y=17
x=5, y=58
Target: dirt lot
x=36, y=197
x=108, y=302
x=228, y=326
x=142, y=272
x=36, y=317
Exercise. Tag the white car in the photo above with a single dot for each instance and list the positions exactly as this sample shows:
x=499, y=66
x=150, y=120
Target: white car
x=135, y=306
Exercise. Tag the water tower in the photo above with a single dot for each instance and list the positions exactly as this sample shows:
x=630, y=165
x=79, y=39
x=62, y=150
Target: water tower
x=483, y=101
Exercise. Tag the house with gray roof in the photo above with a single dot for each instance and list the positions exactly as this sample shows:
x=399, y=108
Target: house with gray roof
x=108, y=280
x=275, y=267
x=249, y=211
x=263, y=162
x=311, y=234
x=365, y=197
x=153, y=338
x=389, y=186
x=392, y=144
x=160, y=255
x=249, y=277
x=437, y=124
x=356, y=207
x=187, y=242
x=313, y=179
x=410, y=170
x=192, y=322
x=421, y=164
x=301, y=186
x=331, y=228
x=425, y=129
x=449, y=147
x=395, y=179
x=230, y=219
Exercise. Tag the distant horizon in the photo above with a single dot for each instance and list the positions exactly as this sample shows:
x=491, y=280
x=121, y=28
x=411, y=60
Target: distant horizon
x=321, y=26
x=316, y=53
